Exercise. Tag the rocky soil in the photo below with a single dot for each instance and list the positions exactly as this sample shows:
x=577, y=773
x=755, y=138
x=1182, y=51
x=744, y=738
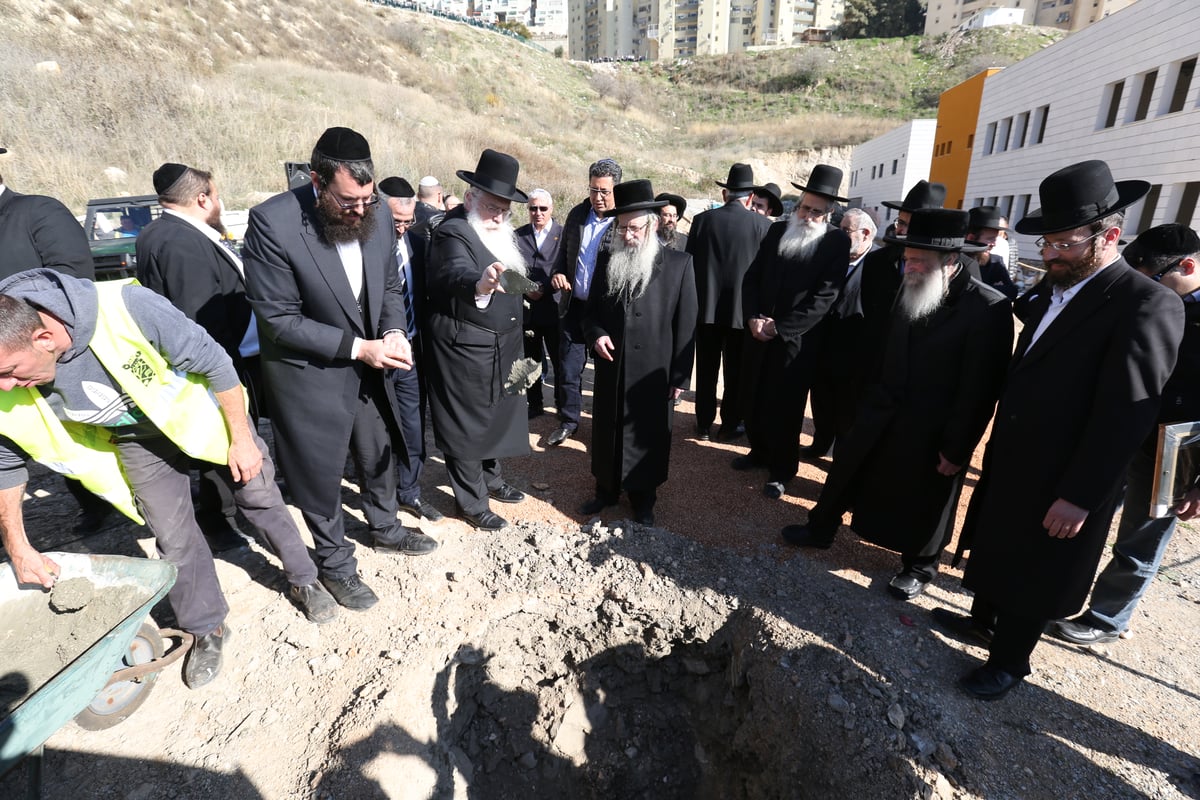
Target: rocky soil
x=578, y=658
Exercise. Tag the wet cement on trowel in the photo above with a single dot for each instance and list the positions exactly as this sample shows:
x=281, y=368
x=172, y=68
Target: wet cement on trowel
x=45, y=631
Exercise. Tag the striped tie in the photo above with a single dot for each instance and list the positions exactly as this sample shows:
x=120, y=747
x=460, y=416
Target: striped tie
x=409, y=316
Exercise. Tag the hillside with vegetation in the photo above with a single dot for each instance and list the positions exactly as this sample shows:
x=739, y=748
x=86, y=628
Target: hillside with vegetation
x=97, y=94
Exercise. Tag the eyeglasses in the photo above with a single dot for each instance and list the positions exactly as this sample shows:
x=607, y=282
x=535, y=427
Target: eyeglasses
x=1158, y=276
x=601, y=192
x=493, y=211
x=370, y=201
x=539, y=209
x=1062, y=247
x=622, y=230
x=404, y=223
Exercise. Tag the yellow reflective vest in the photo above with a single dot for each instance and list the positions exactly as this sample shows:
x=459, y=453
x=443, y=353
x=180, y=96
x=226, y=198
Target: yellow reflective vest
x=179, y=404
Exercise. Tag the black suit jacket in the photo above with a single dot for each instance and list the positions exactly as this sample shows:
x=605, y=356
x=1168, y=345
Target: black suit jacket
x=568, y=253
x=722, y=243
x=418, y=259
x=189, y=269
x=543, y=311
x=38, y=231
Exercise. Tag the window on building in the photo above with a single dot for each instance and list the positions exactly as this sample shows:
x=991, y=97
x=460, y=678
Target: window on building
x=949, y=147
x=970, y=141
x=1040, y=118
x=1002, y=132
x=1020, y=130
x=1149, y=206
x=1006, y=207
x=872, y=172
x=1020, y=209
x=1143, y=104
x=1187, y=203
x=1115, y=90
x=989, y=139
x=1183, y=85
x=895, y=165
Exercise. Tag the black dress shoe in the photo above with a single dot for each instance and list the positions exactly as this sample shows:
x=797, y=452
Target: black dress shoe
x=560, y=435
x=644, y=517
x=743, y=463
x=412, y=543
x=422, y=510
x=704, y=434
x=804, y=536
x=1080, y=633
x=595, y=506
x=988, y=682
x=315, y=601
x=906, y=586
x=506, y=494
x=773, y=490
x=351, y=592
x=964, y=627
x=485, y=521
x=204, y=659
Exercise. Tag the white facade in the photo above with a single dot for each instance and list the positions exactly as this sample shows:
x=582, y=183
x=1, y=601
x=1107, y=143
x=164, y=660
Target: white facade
x=1124, y=90
x=1068, y=15
x=993, y=16
x=886, y=167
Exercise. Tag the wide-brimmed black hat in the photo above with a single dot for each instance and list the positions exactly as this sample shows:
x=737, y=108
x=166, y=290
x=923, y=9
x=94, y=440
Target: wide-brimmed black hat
x=343, y=144
x=825, y=180
x=166, y=176
x=940, y=229
x=1078, y=195
x=674, y=200
x=741, y=178
x=923, y=195
x=496, y=173
x=771, y=192
x=396, y=187
x=633, y=196
x=987, y=217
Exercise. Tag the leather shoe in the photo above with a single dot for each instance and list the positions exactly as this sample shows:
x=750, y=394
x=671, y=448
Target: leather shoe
x=412, y=543
x=315, y=601
x=204, y=659
x=559, y=435
x=595, y=506
x=906, y=586
x=506, y=494
x=804, y=536
x=422, y=510
x=743, y=463
x=1079, y=633
x=704, y=434
x=964, y=627
x=485, y=521
x=773, y=490
x=351, y=592
x=988, y=682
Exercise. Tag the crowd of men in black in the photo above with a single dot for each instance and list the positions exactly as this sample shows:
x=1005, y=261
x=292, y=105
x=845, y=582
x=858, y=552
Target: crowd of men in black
x=366, y=305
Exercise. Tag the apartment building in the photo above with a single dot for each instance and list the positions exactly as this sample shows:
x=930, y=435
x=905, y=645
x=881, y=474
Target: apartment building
x=886, y=167
x=1069, y=15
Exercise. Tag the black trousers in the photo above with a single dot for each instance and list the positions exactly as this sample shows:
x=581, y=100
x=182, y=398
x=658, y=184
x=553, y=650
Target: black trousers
x=541, y=339
x=718, y=347
x=470, y=479
x=1014, y=636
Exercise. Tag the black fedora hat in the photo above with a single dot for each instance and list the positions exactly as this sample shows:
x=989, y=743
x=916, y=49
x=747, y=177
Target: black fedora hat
x=741, y=178
x=396, y=187
x=633, y=196
x=1078, y=195
x=825, y=180
x=496, y=174
x=986, y=217
x=940, y=229
x=674, y=200
x=771, y=192
x=923, y=195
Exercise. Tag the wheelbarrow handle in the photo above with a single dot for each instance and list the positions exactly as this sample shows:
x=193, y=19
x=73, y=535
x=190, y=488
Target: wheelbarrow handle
x=158, y=664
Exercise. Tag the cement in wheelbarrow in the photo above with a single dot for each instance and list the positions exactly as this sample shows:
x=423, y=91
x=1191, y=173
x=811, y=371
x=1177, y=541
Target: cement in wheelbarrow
x=82, y=648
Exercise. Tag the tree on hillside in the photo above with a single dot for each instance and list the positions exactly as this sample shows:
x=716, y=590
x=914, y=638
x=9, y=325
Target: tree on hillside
x=883, y=19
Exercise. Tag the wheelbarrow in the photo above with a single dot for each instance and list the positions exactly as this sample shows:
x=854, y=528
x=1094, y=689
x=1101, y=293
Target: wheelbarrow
x=111, y=678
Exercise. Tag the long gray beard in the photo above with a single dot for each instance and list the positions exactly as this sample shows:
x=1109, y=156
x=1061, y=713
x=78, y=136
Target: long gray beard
x=800, y=237
x=921, y=295
x=630, y=268
x=501, y=243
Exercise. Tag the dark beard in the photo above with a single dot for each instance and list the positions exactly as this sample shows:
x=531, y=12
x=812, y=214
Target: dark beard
x=334, y=229
x=1077, y=271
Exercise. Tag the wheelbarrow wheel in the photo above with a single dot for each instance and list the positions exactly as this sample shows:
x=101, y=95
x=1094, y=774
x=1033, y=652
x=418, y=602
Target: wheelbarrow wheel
x=117, y=701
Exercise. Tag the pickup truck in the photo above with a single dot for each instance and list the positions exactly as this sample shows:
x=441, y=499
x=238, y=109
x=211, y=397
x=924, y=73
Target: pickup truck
x=112, y=225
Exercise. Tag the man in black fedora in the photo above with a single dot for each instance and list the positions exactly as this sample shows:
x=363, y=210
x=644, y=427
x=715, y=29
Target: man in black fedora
x=1082, y=392
x=641, y=323
x=321, y=277
x=923, y=409
x=669, y=217
x=986, y=225
x=768, y=201
x=722, y=243
x=788, y=289
x=475, y=337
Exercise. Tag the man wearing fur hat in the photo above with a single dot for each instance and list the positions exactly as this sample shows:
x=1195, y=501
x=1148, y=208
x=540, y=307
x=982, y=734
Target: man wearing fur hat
x=641, y=323
x=923, y=411
x=1081, y=394
x=474, y=338
x=789, y=288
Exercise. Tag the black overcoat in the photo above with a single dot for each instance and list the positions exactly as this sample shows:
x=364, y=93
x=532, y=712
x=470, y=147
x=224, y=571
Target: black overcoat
x=934, y=394
x=469, y=351
x=1074, y=408
x=722, y=243
x=654, y=340
x=38, y=231
x=308, y=318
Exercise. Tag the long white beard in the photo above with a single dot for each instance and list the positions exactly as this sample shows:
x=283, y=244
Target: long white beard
x=800, y=237
x=501, y=243
x=921, y=295
x=630, y=268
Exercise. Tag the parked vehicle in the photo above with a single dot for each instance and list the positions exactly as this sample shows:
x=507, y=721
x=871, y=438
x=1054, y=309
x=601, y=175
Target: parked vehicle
x=112, y=225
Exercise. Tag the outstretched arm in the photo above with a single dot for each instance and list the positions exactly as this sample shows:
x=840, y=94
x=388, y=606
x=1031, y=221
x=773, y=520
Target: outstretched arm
x=29, y=565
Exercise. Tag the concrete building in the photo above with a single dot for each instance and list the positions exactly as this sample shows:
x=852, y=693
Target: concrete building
x=958, y=114
x=886, y=167
x=1125, y=91
x=1069, y=15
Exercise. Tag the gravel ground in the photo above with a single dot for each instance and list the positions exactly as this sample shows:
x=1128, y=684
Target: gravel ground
x=593, y=658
